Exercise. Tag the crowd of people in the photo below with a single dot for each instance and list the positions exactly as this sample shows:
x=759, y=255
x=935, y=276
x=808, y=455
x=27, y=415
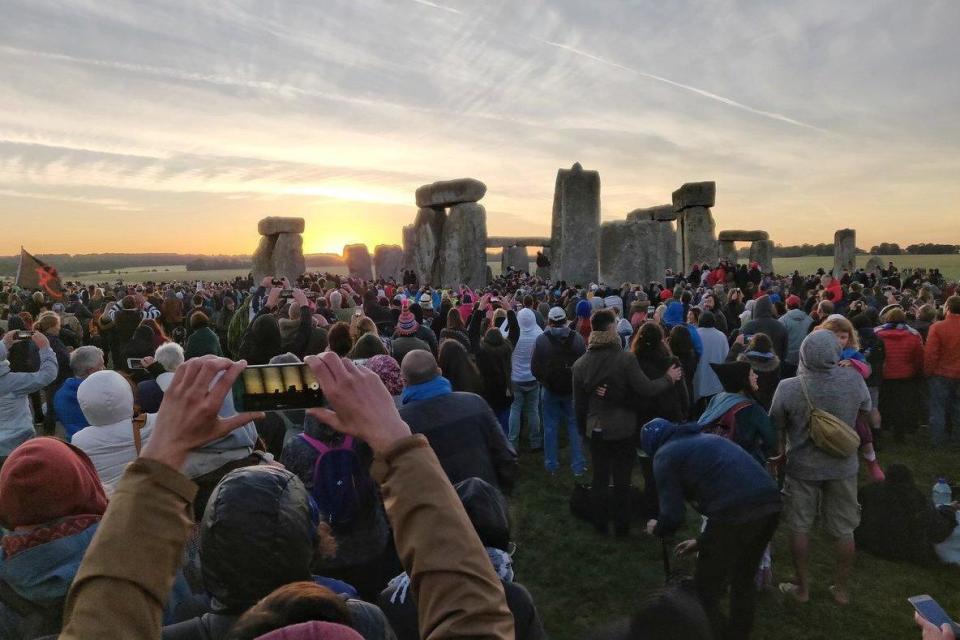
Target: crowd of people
x=139, y=499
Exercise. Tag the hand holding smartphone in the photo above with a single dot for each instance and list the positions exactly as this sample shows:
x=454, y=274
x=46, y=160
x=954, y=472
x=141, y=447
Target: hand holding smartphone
x=928, y=609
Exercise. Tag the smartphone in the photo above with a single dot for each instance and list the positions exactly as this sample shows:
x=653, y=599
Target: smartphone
x=286, y=293
x=651, y=310
x=277, y=387
x=134, y=363
x=24, y=335
x=932, y=612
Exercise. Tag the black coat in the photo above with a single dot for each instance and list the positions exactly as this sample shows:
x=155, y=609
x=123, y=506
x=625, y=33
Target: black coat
x=765, y=322
x=465, y=435
x=672, y=404
x=495, y=361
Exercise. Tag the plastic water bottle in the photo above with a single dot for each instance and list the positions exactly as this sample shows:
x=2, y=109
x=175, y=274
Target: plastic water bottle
x=942, y=493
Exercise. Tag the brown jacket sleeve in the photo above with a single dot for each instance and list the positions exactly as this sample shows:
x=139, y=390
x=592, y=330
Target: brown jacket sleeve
x=129, y=568
x=458, y=593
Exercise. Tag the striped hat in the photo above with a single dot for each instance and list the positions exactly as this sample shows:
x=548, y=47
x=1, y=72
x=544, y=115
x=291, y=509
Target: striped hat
x=407, y=324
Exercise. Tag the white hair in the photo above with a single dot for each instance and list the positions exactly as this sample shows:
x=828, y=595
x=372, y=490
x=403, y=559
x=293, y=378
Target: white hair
x=85, y=360
x=170, y=355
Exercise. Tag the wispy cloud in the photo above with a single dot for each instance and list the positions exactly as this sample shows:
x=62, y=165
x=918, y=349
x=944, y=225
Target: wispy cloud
x=701, y=92
x=438, y=6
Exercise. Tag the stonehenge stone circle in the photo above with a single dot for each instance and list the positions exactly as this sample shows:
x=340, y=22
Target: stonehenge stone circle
x=388, y=262
x=515, y=257
x=504, y=242
x=696, y=230
x=742, y=236
x=663, y=213
x=695, y=194
x=280, y=251
x=359, y=263
x=577, y=260
x=628, y=252
x=421, y=243
x=761, y=252
x=844, y=251
x=448, y=193
x=875, y=263
x=727, y=250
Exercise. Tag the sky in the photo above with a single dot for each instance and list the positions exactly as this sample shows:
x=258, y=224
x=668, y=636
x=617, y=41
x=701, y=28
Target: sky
x=145, y=125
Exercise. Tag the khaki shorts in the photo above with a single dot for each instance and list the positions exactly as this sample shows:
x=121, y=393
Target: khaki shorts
x=834, y=500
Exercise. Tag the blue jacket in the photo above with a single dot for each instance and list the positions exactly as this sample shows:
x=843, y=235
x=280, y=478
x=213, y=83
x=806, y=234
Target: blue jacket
x=714, y=474
x=68, y=408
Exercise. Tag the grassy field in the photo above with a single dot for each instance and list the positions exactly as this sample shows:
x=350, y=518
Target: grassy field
x=581, y=581
x=949, y=265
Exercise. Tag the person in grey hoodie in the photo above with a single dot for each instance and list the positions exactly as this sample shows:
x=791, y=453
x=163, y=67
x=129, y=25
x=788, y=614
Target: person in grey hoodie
x=16, y=421
x=817, y=482
x=526, y=389
x=765, y=321
x=797, y=323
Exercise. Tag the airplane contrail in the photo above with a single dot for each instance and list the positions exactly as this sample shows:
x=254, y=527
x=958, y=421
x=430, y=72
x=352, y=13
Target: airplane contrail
x=733, y=103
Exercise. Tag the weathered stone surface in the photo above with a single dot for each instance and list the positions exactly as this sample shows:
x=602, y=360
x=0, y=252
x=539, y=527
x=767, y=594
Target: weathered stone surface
x=844, y=251
x=663, y=212
x=463, y=253
x=450, y=192
x=629, y=252
x=505, y=241
x=288, y=259
x=421, y=242
x=515, y=257
x=761, y=252
x=737, y=235
x=273, y=225
x=727, y=250
x=556, y=221
x=580, y=213
x=358, y=261
x=388, y=261
x=875, y=263
x=263, y=258
x=543, y=273
x=489, y=273
x=695, y=194
x=696, y=238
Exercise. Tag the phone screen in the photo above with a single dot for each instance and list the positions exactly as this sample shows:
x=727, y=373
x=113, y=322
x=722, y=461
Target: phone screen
x=931, y=611
x=24, y=335
x=134, y=363
x=277, y=387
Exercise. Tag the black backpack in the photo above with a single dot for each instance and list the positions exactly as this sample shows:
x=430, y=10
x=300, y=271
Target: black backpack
x=559, y=377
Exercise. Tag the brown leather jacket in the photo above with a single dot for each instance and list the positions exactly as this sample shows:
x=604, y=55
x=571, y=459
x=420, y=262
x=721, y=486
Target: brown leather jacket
x=129, y=567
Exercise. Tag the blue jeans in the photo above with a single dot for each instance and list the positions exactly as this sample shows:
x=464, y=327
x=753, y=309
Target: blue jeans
x=503, y=417
x=558, y=407
x=526, y=401
x=944, y=398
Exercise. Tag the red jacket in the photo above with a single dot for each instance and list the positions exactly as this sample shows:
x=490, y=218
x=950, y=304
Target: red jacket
x=836, y=289
x=904, y=350
x=942, y=353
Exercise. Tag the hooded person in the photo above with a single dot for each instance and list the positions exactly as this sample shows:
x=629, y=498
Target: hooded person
x=51, y=502
x=495, y=363
x=251, y=514
x=674, y=317
x=112, y=441
x=758, y=353
x=526, y=388
x=584, y=310
x=16, y=419
x=736, y=413
x=817, y=481
x=765, y=321
x=715, y=349
x=489, y=514
x=741, y=502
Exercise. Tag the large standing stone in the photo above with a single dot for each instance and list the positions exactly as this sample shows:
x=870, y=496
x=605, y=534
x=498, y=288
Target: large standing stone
x=580, y=209
x=388, y=261
x=463, y=252
x=359, y=264
x=288, y=259
x=695, y=194
x=450, y=192
x=727, y=250
x=556, y=222
x=421, y=242
x=874, y=264
x=663, y=213
x=761, y=252
x=629, y=252
x=272, y=225
x=696, y=237
x=263, y=258
x=515, y=257
x=844, y=251
x=742, y=236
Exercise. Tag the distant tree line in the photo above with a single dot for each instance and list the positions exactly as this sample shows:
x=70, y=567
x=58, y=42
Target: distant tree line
x=922, y=249
x=205, y=264
x=796, y=250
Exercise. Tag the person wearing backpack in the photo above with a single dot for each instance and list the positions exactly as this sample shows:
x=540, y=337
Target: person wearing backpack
x=736, y=414
x=554, y=353
x=819, y=481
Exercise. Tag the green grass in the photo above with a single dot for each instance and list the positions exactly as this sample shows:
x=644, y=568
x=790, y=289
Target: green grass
x=581, y=581
x=170, y=273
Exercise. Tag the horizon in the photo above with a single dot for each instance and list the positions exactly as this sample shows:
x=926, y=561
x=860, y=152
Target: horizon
x=145, y=127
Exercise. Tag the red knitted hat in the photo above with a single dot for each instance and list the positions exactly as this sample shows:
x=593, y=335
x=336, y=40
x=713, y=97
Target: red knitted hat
x=45, y=479
x=313, y=630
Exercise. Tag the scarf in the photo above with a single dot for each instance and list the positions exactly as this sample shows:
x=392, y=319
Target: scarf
x=439, y=386
x=14, y=543
x=502, y=564
x=719, y=405
x=899, y=326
